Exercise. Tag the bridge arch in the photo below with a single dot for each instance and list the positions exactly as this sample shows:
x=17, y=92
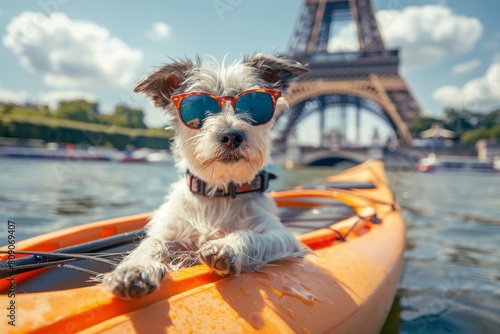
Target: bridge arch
x=369, y=88
x=322, y=158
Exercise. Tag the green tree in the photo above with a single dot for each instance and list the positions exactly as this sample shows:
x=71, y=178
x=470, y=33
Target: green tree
x=26, y=111
x=422, y=124
x=476, y=126
x=127, y=117
x=78, y=110
x=472, y=136
x=490, y=120
x=460, y=121
x=495, y=132
x=6, y=109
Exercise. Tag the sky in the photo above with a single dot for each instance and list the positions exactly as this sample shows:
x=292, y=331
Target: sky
x=65, y=49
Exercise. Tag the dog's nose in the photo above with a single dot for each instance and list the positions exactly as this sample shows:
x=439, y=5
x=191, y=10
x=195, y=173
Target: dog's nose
x=231, y=138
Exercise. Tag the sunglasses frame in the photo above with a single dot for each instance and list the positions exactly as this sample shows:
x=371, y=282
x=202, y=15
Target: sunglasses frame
x=177, y=99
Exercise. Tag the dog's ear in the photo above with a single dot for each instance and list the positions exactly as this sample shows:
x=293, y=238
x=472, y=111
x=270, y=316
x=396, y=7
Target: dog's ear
x=277, y=71
x=161, y=83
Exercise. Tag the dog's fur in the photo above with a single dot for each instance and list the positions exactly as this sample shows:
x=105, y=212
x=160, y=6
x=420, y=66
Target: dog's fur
x=228, y=234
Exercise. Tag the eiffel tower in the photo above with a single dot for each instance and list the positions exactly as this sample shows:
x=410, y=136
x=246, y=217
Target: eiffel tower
x=363, y=74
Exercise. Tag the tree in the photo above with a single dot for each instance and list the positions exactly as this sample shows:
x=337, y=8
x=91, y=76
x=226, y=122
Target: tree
x=495, y=131
x=475, y=126
x=472, y=136
x=422, y=124
x=78, y=110
x=127, y=117
x=27, y=111
x=460, y=121
x=7, y=109
x=490, y=120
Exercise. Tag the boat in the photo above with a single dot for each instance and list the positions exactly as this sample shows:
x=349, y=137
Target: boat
x=346, y=283
x=160, y=157
x=69, y=153
x=457, y=163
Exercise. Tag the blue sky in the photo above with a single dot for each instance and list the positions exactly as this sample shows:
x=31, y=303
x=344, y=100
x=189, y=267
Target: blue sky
x=56, y=49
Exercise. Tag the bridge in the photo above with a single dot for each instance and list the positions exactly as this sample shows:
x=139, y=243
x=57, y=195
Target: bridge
x=325, y=157
x=332, y=158
x=402, y=157
x=353, y=78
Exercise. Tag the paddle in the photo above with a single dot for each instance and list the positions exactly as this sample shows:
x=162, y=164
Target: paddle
x=39, y=260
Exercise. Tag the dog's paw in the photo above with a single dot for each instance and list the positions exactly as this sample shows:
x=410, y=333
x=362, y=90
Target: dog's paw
x=218, y=256
x=129, y=281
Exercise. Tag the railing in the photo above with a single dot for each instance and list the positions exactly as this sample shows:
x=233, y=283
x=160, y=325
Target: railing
x=345, y=56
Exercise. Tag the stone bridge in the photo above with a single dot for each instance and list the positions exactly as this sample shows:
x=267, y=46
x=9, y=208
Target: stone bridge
x=404, y=156
x=324, y=157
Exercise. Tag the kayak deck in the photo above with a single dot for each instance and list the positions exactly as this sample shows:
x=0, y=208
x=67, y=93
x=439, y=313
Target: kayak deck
x=342, y=287
x=297, y=220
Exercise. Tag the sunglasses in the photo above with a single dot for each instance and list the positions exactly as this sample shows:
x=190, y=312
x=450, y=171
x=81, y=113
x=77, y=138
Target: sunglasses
x=255, y=106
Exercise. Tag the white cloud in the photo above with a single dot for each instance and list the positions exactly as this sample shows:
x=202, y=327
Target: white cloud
x=159, y=31
x=71, y=53
x=345, y=40
x=466, y=67
x=15, y=97
x=428, y=34
x=480, y=94
x=53, y=98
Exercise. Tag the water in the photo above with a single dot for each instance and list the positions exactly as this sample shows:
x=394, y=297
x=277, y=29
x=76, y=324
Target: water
x=451, y=280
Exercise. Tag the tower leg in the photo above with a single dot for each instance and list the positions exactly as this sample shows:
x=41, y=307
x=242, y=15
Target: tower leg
x=358, y=124
x=322, y=126
x=343, y=123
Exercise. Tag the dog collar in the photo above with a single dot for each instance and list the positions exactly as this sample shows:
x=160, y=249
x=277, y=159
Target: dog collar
x=259, y=183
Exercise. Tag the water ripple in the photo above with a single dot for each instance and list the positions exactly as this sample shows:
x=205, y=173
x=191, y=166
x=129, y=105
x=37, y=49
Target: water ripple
x=451, y=279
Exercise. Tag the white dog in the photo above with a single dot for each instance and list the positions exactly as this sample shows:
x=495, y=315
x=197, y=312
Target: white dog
x=221, y=118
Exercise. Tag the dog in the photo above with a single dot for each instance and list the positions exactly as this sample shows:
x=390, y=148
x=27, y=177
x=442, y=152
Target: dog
x=221, y=118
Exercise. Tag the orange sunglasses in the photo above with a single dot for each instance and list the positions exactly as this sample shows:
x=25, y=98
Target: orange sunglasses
x=255, y=106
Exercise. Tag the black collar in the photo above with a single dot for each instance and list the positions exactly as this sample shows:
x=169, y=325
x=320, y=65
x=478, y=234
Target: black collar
x=259, y=183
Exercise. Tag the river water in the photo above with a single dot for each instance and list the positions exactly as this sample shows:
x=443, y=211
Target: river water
x=451, y=279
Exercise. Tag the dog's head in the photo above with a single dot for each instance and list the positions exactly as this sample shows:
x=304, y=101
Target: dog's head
x=222, y=116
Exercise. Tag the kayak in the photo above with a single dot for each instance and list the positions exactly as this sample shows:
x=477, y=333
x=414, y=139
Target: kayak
x=346, y=283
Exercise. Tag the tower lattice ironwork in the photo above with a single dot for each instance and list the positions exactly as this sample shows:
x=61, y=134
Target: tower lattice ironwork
x=363, y=73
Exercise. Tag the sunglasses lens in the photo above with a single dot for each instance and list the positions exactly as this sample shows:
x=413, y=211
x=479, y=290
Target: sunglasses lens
x=194, y=109
x=257, y=106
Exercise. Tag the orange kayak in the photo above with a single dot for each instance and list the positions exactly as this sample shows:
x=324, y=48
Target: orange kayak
x=351, y=221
